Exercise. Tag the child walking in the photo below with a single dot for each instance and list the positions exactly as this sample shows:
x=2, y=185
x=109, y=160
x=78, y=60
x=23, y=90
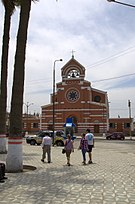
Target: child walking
x=69, y=148
x=84, y=147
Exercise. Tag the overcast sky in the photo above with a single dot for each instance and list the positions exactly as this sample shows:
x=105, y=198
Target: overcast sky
x=102, y=34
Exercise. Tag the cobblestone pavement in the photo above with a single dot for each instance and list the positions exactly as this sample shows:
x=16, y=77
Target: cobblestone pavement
x=109, y=180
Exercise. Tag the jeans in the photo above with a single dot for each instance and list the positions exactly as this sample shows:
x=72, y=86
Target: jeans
x=84, y=154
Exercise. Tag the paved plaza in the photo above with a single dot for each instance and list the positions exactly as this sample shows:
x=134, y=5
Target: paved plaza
x=109, y=180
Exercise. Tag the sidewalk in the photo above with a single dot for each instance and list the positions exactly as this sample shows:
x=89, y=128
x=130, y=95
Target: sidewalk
x=110, y=180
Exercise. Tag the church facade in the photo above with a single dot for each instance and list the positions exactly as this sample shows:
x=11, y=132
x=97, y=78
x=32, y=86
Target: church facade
x=75, y=98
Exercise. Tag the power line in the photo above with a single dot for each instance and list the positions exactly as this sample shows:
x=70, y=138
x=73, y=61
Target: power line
x=113, y=78
x=100, y=80
x=107, y=59
x=32, y=82
x=98, y=63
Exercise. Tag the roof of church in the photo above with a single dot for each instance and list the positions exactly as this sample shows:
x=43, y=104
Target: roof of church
x=73, y=61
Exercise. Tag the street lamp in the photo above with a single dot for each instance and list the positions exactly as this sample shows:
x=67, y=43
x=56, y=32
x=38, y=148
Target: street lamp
x=27, y=106
x=53, y=96
x=118, y=2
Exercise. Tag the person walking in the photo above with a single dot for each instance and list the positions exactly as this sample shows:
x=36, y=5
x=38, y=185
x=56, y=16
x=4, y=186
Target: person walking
x=46, y=147
x=90, y=138
x=84, y=147
x=2, y=172
x=68, y=148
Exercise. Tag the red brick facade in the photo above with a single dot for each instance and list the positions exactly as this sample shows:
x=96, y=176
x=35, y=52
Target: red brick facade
x=75, y=97
x=31, y=123
x=121, y=125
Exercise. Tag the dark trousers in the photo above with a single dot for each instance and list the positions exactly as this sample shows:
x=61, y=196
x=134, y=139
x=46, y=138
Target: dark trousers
x=2, y=171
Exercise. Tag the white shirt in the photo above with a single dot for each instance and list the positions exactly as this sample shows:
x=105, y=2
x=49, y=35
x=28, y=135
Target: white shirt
x=89, y=137
x=46, y=141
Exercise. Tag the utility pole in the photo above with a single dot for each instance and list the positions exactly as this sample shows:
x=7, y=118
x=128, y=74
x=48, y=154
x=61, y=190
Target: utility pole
x=129, y=106
x=27, y=106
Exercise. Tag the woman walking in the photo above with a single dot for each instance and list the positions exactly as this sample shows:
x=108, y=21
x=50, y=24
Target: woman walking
x=84, y=147
x=68, y=148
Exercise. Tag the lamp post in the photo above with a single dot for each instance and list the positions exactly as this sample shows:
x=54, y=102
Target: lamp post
x=53, y=100
x=125, y=4
x=27, y=106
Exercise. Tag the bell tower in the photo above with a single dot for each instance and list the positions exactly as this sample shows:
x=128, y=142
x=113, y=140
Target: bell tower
x=72, y=70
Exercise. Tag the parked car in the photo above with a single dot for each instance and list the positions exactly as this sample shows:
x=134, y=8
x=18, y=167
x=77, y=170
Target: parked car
x=116, y=136
x=37, y=139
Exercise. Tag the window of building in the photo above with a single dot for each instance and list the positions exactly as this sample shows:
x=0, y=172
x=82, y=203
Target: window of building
x=112, y=125
x=35, y=125
x=126, y=125
x=97, y=98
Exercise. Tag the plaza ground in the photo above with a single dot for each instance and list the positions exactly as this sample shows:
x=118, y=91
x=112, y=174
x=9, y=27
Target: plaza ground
x=109, y=180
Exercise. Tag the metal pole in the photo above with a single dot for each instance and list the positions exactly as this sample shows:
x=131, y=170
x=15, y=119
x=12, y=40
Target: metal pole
x=53, y=99
x=27, y=106
x=125, y=4
x=129, y=106
x=27, y=115
x=103, y=121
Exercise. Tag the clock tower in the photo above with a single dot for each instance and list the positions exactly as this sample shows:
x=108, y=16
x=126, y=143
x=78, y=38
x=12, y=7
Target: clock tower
x=75, y=98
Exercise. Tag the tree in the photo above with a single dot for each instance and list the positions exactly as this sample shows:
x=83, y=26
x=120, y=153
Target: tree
x=14, y=162
x=9, y=9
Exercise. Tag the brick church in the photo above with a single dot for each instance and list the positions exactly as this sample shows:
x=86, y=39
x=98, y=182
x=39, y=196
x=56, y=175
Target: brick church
x=75, y=98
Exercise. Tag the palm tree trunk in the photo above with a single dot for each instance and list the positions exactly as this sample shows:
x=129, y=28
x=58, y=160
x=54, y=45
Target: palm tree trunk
x=14, y=162
x=4, y=70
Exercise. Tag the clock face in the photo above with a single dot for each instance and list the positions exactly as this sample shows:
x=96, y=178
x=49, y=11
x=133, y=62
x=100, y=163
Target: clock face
x=72, y=95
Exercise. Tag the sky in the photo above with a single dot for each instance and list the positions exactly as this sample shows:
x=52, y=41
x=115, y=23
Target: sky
x=102, y=35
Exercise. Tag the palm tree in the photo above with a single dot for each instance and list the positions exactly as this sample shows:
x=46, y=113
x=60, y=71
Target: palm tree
x=14, y=162
x=9, y=8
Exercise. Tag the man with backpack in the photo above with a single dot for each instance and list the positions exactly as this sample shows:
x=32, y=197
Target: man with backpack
x=90, y=138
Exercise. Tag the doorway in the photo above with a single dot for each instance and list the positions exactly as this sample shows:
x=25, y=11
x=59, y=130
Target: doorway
x=96, y=128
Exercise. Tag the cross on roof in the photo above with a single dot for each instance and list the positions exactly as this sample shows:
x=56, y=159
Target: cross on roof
x=72, y=53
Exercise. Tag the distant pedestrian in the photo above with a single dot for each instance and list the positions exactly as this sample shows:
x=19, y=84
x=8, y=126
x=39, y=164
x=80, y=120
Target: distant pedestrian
x=46, y=146
x=90, y=138
x=84, y=147
x=68, y=148
x=2, y=172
